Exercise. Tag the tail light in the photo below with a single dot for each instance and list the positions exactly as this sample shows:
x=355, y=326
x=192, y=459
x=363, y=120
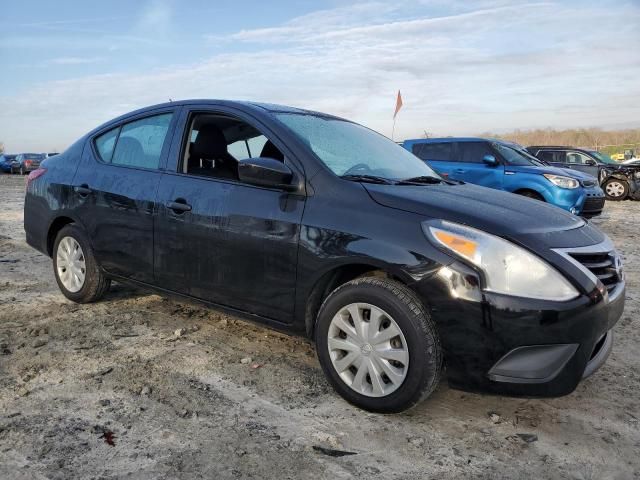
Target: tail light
x=27, y=163
x=35, y=174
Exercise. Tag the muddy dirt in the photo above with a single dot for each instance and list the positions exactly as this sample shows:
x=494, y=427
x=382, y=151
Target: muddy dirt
x=137, y=386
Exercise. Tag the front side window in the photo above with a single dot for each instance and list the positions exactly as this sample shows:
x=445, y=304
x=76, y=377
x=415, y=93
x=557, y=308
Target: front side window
x=217, y=142
x=348, y=148
x=577, y=158
x=474, y=152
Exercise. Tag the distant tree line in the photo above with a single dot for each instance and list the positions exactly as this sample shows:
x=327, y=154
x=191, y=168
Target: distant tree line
x=608, y=141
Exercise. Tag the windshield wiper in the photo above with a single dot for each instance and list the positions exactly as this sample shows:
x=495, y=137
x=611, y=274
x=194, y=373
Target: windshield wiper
x=369, y=179
x=421, y=180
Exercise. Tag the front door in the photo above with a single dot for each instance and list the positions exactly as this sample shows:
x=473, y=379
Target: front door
x=584, y=163
x=472, y=168
x=218, y=239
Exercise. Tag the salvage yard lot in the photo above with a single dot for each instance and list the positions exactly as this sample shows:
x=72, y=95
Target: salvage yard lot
x=143, y=387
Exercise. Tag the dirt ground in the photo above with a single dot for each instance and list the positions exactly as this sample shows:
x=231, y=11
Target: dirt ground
x=109, y=390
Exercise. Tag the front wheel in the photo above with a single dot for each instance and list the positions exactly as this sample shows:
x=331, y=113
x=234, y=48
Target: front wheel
x=77, y=273
x=616, y=189
x=377, y=345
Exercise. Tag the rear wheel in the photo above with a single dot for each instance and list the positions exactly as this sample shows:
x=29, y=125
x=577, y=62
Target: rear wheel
x=77, y=273
x=377, y=345
x=616, y=189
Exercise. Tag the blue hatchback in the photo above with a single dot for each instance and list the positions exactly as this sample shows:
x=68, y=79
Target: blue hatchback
x=508, y=166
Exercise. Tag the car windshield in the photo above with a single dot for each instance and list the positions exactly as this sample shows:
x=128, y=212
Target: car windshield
x=517, y=156
x=347, y=148
x=34, y=156
x=604, y=158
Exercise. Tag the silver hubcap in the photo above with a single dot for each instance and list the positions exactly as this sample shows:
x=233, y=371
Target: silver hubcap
x=70, y=264
x=615, y=189
x=368, y=350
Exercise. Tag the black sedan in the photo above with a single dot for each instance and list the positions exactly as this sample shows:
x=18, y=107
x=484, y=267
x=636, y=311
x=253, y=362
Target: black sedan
x=318, y=226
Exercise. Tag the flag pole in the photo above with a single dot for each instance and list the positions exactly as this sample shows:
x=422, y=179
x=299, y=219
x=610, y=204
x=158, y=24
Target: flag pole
x=395, y=114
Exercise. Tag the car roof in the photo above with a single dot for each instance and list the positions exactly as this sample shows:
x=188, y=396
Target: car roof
x=563, y=147
x=258, y=106
x=460, y=139
x=270, y=107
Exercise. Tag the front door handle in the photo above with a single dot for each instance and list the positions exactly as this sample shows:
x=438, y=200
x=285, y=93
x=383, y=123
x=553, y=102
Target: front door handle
x=460, y=170
x=179, y=206
x=82, y=190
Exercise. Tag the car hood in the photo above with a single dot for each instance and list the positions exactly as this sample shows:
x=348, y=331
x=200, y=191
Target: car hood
x=621, y=168
x=524, y=220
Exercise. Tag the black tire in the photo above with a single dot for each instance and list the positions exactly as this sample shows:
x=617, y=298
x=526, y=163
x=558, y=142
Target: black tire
x=609, y=183
x=419, y=330
x=95, y=283
x=531, y=194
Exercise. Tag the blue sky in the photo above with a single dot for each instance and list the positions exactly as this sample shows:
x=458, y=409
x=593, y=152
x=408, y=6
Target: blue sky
x=463, y=67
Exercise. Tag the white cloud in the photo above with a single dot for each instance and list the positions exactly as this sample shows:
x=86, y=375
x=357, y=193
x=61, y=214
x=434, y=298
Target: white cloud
x=495, y=67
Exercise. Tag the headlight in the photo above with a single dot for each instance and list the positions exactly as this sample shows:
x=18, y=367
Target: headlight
x=507, y=268
x=637, y=174
x=562, y=182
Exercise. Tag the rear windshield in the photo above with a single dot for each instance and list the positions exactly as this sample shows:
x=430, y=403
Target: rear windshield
x=34, y=156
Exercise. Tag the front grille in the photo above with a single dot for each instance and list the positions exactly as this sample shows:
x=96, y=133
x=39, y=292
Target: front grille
x=602, y=265
x=593, y=204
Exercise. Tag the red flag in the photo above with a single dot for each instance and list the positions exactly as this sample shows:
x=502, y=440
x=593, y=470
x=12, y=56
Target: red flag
x=398, y=105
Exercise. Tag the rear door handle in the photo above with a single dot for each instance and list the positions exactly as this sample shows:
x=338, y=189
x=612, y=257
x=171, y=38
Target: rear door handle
x=83, y=190
x=179, y=206
x=460, y=170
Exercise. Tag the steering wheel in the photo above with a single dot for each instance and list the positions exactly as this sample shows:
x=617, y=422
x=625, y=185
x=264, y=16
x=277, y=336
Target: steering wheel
x=358, y=168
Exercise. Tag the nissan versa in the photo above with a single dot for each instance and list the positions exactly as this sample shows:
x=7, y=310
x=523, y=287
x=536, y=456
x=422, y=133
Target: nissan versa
x=318, y=226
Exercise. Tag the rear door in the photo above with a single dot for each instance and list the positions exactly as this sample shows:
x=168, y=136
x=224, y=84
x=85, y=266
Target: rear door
x=115, y=188
x=439, y=155
x=555, y=158
x=472, y=167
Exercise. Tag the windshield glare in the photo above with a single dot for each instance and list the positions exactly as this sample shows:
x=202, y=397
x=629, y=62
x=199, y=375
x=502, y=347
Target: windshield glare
x=515, y=156
x=350, y=149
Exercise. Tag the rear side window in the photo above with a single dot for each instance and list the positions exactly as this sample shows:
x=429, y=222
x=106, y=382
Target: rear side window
x=474, y=152
x=135, y=144
x=105, y=144
x=433, y=151
x=547, y=156
x=140, y=142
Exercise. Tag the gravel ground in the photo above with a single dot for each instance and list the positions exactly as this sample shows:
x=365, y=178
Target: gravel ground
x=137, y=386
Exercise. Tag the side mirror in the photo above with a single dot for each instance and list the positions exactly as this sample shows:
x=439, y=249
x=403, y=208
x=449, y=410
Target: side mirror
x=490, y=160
x=591, y=162
x=265, y=172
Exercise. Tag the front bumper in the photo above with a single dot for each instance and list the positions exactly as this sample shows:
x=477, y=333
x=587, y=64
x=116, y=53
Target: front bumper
x=515, y=346
x=593, y=203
